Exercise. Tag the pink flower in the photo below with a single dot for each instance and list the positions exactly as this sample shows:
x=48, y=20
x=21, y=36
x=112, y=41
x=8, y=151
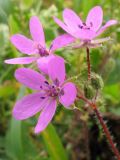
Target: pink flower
x=37, y=45
x=85, y=31
x=48, y=92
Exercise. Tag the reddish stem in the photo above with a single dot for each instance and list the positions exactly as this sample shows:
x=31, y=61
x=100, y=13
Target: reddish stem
x=107, y=133
x=88, y=63
x=104, y=126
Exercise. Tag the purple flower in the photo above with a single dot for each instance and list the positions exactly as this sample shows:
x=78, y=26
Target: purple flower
x=85, y=31
x=48, y=92
x=37, y=45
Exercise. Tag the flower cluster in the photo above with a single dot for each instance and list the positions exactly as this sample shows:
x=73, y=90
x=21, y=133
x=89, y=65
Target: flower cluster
x=50, y=85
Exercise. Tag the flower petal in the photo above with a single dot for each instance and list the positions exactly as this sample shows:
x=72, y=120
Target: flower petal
x=61, y=41
x=29, y=78
x=84, y=34
x=108, y=24
x=36, y=30
x=94, y=18
x=43, y=63
x=46, y=116
x=71, y=19
x=29, y=106
x=62, y=25
x=23, y=60
x=22, y=43
x=56, y=69
x=69, y=95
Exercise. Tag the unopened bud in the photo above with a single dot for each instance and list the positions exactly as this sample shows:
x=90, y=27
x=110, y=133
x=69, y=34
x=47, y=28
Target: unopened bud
x=97, y=82
x=88, y=91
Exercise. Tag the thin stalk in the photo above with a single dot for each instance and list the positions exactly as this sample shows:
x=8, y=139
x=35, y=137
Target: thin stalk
x=104, y=126
x=88, y=63
x=107, y=133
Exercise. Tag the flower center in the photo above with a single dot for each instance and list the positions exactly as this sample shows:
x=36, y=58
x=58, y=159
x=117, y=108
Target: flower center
x=52, y=90
x=42, y=51
x=84, y=26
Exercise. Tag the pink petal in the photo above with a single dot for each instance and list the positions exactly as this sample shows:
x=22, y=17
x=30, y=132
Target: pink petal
x=23, y=60
x=108, y=24
x=71, y=19
x=22, y=43
x=46, y=116
x=29, y=78
x=61, y=41
x=62, y=25
x=94, y=18
x=29, y=106
x=84, y=34
x=69, y=95
x=56, y=69
x=36, y=30
x=43, y=63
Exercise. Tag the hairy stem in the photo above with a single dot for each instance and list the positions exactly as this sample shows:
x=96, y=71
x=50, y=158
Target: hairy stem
x=107, y=133
x=88, y=63
x=104, y=126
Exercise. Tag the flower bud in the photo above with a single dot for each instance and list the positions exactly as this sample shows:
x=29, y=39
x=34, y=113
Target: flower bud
x=97, y=82
x=88, y=91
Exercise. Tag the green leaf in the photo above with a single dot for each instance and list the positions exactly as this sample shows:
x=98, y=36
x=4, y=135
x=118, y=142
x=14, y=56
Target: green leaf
x=53, y=144
x=14, y=136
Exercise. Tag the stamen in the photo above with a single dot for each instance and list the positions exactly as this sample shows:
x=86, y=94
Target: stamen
x=46, y=82
x=62, y=92
x=91, y=24
x=81, y=27
x=42, y=97
x=84, y=23
x=56, y=82
x=51, y=46
x=41, y=87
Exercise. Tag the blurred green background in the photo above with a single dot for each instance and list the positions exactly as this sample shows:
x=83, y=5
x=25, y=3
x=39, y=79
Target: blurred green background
x=73, y=135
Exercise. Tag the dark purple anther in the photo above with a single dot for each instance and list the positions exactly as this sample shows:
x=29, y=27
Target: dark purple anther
x=41, y=87
x=84, y=23
x=46, y=82
x=51, y=46
x=56, y=82
x=62, y=92
x=42, y=97
x=91, y=24
x=81, y=27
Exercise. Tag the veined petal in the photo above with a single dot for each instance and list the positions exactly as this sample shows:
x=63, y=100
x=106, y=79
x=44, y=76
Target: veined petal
x=62, y=25
x=94, y=18
x=42, y=63
x=61, y=41
x=56, y=69
x=71, y=19
x=69, y=95
x=29, y=78
x=108, y=24
x=36, y=30
x=84, y=34
x=29, y=106
x=46, y=116
x=22, y=43
x=22, y=60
